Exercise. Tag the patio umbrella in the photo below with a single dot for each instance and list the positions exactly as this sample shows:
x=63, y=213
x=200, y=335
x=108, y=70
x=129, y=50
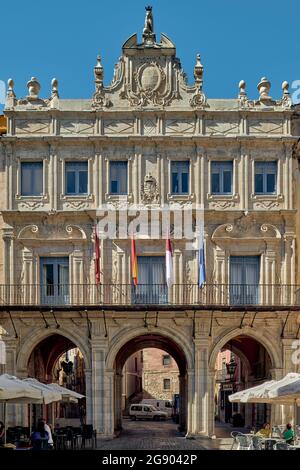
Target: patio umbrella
x=67, y=394
x=278, y=392
x=243, y=396
x=14, y=390
x=49, y=394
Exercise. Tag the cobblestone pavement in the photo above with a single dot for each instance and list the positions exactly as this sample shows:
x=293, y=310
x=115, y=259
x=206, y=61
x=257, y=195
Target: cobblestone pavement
x=150, y=435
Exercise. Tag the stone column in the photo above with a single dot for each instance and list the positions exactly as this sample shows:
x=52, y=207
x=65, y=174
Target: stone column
x=99, y=350
x=109, y=411
x=118, y=401
x=201, y=397
x=89, y=396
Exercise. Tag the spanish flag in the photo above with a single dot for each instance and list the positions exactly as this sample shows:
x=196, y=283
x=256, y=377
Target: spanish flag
x=134, y=265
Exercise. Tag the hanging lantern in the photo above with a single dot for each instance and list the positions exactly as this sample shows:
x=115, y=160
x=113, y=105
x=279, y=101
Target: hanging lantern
x=231, y=368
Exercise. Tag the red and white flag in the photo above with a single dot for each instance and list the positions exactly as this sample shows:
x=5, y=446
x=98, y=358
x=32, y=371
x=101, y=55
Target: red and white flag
x=97, y=256
x=169, y=263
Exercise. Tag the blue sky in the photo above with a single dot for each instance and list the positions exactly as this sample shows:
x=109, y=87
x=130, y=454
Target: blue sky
x=236, y=40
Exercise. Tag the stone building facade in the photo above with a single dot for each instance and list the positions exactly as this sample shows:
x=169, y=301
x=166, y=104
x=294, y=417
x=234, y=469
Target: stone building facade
x=149, y=138
x=159, y=375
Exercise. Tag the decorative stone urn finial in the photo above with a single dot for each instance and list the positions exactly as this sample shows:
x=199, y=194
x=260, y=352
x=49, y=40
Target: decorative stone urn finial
x=198, y=72
x=286, y=98
x=54, y=88
x=242, y=89
x=10, y=88
x=285, y=88
x=264, y=88
x=34, y=88
x=98, y=71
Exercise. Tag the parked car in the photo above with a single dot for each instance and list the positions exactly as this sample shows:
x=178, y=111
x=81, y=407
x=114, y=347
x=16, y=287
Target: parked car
x=141, y=411
x=160, y=405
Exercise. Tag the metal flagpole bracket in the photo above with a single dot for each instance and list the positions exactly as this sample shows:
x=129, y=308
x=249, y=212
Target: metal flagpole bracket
x=88, y=325
x=284, y=325
x=45, y=321
x=105, y=327
x=57, y=324
x=241, y=324
x=13, y=324
x=145, y=320
x=156, y=320
x=253, y=319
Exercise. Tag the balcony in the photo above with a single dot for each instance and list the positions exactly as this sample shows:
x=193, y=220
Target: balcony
x=119, y=295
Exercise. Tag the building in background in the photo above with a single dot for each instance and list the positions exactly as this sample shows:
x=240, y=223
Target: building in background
x=159, y=375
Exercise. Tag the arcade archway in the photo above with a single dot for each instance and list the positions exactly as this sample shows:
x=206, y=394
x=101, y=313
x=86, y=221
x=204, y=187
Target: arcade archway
x=146, y=341
x=242, y=362
x=57, y=359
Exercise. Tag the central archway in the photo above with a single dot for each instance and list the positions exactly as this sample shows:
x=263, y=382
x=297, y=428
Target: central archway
x=146, y=341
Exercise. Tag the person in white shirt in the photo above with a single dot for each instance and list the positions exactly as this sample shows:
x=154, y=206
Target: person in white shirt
x=48, y=430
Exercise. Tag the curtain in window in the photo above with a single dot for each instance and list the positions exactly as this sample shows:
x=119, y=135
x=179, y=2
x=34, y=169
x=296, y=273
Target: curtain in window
x=180, y=177
x=118, y=177
x=244, y=279
x=31, y=178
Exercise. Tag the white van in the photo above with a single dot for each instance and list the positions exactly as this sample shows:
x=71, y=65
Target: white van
x=162, y=405
x=142, y=411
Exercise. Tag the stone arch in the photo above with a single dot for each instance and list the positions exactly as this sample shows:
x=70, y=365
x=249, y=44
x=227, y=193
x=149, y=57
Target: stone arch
x=128, y=341
x=262, y=338
x=128, y=334
x=38, y=335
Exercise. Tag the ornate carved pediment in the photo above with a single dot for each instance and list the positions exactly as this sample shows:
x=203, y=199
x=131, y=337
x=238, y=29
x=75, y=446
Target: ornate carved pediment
x=53, y=232
x=246, y=227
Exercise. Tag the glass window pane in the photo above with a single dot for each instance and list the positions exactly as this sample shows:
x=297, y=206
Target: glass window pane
x=83, y=181
x=118, y=178
x=76, y=177
x=180, y=177
x=184, y=183
x=175, y=188
x=227, y=181
x=271, y=183
x=259, y=188
x=71, y=179
x=31, y=178
x=215, y=183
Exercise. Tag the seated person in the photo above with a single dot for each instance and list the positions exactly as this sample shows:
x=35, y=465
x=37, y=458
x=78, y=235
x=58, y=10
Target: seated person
x=265, y=431
x=39, y=438
x=288, y=434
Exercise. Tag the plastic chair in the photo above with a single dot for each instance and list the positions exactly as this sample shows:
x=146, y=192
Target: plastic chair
x=281, y=446
x=244, y=442
x=270, y=443
x=256, y=443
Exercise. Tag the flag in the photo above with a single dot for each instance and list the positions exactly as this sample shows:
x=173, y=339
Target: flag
x=169, y=263
x=134, y=265
x=201, y=260
x=97, y=256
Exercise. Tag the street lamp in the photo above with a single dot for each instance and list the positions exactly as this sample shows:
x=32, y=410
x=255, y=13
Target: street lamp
x=231, y=365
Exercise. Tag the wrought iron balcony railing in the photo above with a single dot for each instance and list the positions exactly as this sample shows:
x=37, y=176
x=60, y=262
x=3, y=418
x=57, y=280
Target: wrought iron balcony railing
x=81, y=295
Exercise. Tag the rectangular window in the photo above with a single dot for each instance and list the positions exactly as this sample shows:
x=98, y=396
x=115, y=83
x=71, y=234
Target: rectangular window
x=166, y=360
x=167, y=384
x=118, y=178
x=221, y=177
x=244, y=280
x=180, y=177
x=265, y=177
x=32, y=178
x=76, y=175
